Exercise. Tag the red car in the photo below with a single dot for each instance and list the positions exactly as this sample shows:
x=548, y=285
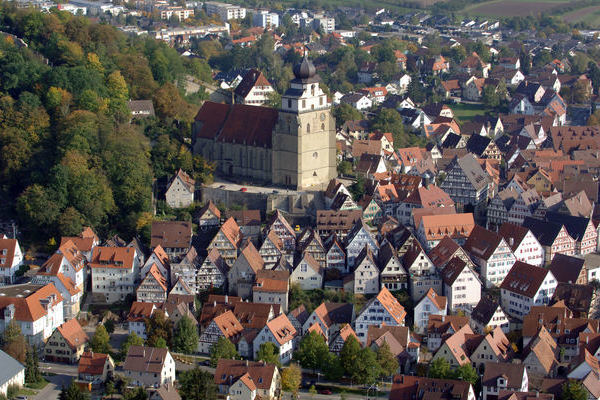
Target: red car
x=243, y=189
x=325, y=391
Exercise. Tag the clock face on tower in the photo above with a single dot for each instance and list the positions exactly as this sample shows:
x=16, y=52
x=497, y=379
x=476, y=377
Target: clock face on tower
x=322, y=116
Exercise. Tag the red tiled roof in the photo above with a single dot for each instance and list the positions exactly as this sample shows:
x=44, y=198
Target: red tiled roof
x=73, y=333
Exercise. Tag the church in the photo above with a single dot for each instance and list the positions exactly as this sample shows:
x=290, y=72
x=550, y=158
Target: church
x=292, y=147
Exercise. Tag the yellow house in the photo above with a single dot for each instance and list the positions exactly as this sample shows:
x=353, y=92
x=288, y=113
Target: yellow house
x=66, y=344
x=541, y=181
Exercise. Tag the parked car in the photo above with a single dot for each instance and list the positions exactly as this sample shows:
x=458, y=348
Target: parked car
x=244, y=189
x=325, y=391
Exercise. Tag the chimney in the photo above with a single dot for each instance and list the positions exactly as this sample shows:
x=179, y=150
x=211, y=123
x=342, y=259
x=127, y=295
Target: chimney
x=214, y=303
x=587, y=339
x=226, y=299
x=511, y=241
x=246, y=363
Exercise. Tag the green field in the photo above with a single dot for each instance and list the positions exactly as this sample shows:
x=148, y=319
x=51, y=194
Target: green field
x=589, y=15
x=466, y=112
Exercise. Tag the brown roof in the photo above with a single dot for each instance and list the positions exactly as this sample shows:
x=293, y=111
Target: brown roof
x=251, y=79
x=430, y=197
x=578, y=298
x=566, y=269
x=443, y=252
x=282, y=329
x=453, y=225
x=457, y=344
x=84, y=241
x=544, y=348
x=482, y=243
x=73, y=255
x=210, y=206
x=238, y=123
x=253, y=257
x=453, y=269
x=391, y=304
x=145, y=359
x=91, y=363
x=229, y=371
x=271, y=281
x=335, y=313
x=524, y=279
x=140, y=310
x=166, y=392
x=255, y=315
x=400, y=333
x=171, y=234
x=73, y=333
x=155, y=274
x=231, y=230
x=512, y=373
x=112, y=257
x=569, y=138
x=484, y=311
x=300, y=313
x=187, y=180
x=513, y=234
x=245, y=217
x=443, y=323
x=228, y=324
x=337, y=220
x=440, y=301
x=28, y=299
x=406, y=387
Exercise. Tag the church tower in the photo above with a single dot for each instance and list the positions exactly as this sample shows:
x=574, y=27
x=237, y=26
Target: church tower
x=304, y=153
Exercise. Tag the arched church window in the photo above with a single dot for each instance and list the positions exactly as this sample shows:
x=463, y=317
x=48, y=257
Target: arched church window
x=322, y=127
x=303, y=103
x=307, y=128
x=321, y=100
x=312, y=89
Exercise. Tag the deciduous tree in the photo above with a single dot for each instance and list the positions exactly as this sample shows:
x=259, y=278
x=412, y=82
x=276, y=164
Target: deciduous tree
x=268, y=353
x=185, y=339
x=311, y=351
x=197, y=384
x=291, y=378
x=222, y=349
x=100, y=342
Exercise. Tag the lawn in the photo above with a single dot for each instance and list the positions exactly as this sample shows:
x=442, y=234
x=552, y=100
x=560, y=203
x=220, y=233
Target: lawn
x=37, y=386
x=590, y=15
x=466, y=112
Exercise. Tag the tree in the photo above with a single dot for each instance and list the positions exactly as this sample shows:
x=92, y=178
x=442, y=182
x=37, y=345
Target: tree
x=311, y=351
x=132, y=340
x=332, y=367
x=72, y=392
x=367, y=369
x=186, y=336
x=349, y=354
x=269, y=353
x=489, y=97
x=197, y=384
x=158, y=327
x=357, y=189
x=139, y=393
x=14, y=343
x=594, y=119
x=100, y=342
x=345, y=112
x=439, y=368
x=467, y=373
x=573, y=390
x=222, y=349
x=32, y=369
x=344, y=167
x=387, y=361
x=291, y=378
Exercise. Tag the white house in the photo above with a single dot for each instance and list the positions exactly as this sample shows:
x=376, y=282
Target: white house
x=37, y=309
x=381, y=309
x=115, y=272
x=281, y=332
x=308, y=273
x=431, y=303
x=11, y=258
x=357, y=100
x=526, y=286
x=523, y=243
x=491, y=253
x=462, y=286
x=423, y=274
x=503, y=376
x=488, y=315
x=149, y=366
x=359, y=237
x=366, y=273
x=13, y=373
x=180, y=190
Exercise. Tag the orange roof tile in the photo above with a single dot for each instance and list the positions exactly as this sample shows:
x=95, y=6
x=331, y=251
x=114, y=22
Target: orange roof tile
x=73, y=333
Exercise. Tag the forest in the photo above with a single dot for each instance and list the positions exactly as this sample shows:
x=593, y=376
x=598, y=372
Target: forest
x=71, y=155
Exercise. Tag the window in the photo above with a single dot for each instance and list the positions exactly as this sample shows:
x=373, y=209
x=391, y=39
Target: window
x=307, y=128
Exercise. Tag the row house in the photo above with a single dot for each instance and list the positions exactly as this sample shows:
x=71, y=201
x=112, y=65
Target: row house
x=512, y=206
x=581, y=229
x=526, y=286
x=383, y=309
x=153, y=288
x=242, y=275
x=488, y=315
x=337, y=222
x=356, y=240
x=212, y=272
x=430, y=304
x=339, y=339
x=503, y=376
x=393, y=276
x=523, y=244
x=175, y=237
x=440, y=327
x=430, y=196
x=210, y=216
x=283, y=229
x=189, y=270
x=160, y=259
x=422, y=273
x=271, y=250
x=402, y=344
x=431, y=229
x=37, y=309
x=280, y=332
x=224, y=325
x=490, y=252
x=462, y=286
x=467, y=184
x=139, y=312
x=408, y=387
x=85, y=242
x=49, y=272
x=310, y=242
x=446, y=250
x=335, y=254
x=553, y=237
x=227, y=241
x=330, y=317
x=568, y=269
x=115, y=273
x=365, y=277
x=272, y=287
x=307, y=273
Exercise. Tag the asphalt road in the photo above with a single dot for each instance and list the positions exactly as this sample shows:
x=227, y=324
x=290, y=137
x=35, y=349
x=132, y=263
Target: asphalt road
x=53, y=389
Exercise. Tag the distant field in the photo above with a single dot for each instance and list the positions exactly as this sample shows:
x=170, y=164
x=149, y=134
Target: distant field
x=513, y=8
x=466, y=112
x=591, y=15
